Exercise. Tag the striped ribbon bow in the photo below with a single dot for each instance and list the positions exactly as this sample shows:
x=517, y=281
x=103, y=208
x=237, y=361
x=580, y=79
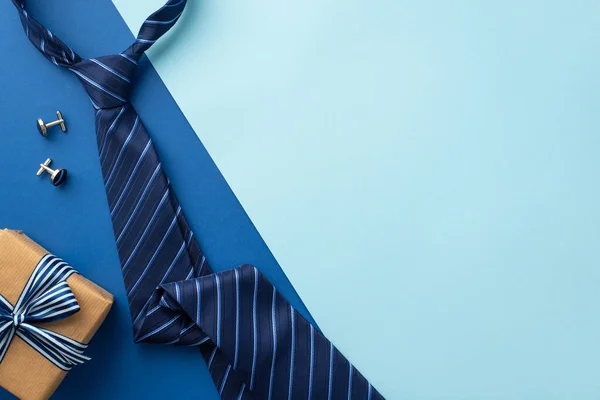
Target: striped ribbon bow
x=45, y=298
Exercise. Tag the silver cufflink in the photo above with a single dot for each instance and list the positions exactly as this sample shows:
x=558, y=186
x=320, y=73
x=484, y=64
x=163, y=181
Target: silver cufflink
x=58, y=176
x=43, y=128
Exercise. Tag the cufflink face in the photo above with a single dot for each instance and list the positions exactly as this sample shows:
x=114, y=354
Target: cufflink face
x=57, y=176
x=43, y=127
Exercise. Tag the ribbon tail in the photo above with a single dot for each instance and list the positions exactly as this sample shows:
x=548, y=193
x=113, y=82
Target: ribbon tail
x=62, y=351
x=7, y=332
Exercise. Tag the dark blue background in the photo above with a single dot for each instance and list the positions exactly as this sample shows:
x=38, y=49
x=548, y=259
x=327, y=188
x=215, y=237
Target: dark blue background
x=73, y=221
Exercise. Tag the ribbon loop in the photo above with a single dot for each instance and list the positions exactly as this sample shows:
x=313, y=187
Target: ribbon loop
x=46, y=297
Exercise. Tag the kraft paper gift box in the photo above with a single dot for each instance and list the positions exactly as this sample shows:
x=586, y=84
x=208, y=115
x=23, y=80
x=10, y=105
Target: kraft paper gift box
x=24, y=371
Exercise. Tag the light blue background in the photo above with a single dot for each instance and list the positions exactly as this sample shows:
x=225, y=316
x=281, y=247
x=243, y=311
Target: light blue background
x=426, y=174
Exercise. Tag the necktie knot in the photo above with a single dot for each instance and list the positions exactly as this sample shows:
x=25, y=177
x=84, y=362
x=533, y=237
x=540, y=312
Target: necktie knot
x=107, y=79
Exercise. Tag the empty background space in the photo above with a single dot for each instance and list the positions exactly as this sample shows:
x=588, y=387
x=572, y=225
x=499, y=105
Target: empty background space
x=424, y=172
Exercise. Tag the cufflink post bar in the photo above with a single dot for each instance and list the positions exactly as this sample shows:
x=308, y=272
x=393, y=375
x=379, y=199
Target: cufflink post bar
x=43, y=127
x=57, y=176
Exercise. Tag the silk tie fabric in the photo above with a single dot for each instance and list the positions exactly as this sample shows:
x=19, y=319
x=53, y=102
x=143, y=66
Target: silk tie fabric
x=255, y=344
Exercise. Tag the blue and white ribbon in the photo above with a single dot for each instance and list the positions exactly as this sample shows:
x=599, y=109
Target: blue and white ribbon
x=45, y=298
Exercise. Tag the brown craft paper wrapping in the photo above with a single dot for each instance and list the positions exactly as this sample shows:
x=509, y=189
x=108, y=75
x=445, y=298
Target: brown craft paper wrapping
x=24, y=372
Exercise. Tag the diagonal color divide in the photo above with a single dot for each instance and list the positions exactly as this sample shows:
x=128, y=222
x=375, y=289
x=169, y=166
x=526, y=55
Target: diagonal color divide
x=424, y=173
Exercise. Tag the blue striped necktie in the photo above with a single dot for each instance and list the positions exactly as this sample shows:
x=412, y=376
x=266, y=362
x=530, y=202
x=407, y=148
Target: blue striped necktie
x=255, y=344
